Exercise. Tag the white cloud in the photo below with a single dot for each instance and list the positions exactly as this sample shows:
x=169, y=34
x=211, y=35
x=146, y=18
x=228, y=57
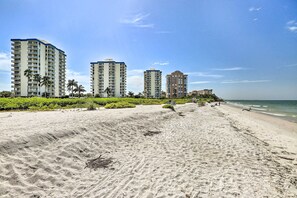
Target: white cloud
x=292, y=22
x=202, y=74
x=292, y=65
x=135, y=83
x=5, y=87
x=138, y=21
x=252, y=9
x=145, y=25
x=5, y=64
x=82, y=79
x=161, y=63
x=135, y=80
x=244, y=81
x=230, y=69
x=135, y=72
x=292, y=26
x=200, y=82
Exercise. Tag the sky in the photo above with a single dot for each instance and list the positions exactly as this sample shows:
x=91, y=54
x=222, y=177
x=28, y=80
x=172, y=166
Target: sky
x=242, y=49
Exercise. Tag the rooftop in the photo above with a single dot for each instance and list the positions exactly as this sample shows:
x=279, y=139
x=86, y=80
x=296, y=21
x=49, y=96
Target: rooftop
x=38, y=40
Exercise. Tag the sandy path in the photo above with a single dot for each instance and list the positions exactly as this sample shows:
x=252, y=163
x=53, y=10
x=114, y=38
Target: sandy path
x=206, y=152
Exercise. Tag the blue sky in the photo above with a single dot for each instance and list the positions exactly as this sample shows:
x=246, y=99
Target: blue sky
x=243, y=49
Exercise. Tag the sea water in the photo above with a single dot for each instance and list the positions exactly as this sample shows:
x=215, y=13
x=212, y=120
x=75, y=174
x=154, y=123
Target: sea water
x=286, y=109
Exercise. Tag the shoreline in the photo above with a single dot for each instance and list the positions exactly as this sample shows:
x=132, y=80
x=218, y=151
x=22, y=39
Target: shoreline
x=273, y=120
x=269, y=128
x=275, y=115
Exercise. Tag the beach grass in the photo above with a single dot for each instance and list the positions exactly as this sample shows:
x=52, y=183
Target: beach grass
x=168, y=106
x=36, y=103
x=118, y=105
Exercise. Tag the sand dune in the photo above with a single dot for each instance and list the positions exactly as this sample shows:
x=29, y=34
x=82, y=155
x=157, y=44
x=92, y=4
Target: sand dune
x=201, y=152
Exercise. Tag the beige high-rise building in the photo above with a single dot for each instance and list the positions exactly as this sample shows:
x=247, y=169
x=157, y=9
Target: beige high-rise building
x=41, y=58
x=176, y=85
x=152, y=83
x=200, y=92
x=108, y=78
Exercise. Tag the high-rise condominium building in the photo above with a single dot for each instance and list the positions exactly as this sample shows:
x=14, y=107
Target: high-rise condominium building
x=108, y=78
x=152, y=83
x=176, y=85
x=41, y=58
x=200, y=92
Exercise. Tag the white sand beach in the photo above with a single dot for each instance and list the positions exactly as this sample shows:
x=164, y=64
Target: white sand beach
x=208, y=151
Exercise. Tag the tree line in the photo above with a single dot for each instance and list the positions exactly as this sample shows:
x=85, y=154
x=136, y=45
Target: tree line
x=40, y=80
x=72, y=85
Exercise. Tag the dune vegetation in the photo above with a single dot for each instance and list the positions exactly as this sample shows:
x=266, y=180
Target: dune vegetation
x=118, y=105
x=37, y=103
x=168, y=106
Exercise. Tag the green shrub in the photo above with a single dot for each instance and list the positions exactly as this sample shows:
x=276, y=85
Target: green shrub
x=10, y=106
x=54, y=106
x=168, y=106
x=91, y=106
x=119, y=105
x=201, y=103
x=34, y=108
x=182, y=101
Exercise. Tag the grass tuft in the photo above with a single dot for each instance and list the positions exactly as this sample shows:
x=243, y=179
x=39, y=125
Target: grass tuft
x=168, y=106
x=91, y=106
x=119, y=105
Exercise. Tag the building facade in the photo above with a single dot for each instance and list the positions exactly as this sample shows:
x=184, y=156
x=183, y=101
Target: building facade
x=152, y=83
x=176, y=85
x=108, y=78
x=200, y=92
x=41, y=58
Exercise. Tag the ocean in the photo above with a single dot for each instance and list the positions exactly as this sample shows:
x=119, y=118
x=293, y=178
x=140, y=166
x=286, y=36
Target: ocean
x=285, y=109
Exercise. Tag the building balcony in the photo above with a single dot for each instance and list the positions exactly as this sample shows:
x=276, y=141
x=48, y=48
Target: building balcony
x=16, y=79
x=16, y=61
x=33, y=52
x=32, y=47
x=16, y=52
x=33, y=56
x=15, y=69
x=33, y=63
x=15, y=45
x=32, y=42
x=16, y=57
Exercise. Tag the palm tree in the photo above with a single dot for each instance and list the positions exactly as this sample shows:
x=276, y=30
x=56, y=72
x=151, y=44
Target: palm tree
x=107, y=91
x=130, y=94
x=79, y=89
x=37, y=78
x=46, y=82
x=139, y=95
x=28, y=74
x=70, y=85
